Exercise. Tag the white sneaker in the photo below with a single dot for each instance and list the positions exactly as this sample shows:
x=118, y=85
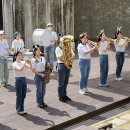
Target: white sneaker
x=81, y=91
x=119, y=79
x=87, y=90
x=122, y=78
x=100, y=85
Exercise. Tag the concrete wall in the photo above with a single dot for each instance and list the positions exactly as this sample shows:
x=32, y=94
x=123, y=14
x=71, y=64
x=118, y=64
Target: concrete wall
x=74, y=16
x=93, y=15
x=27, y=15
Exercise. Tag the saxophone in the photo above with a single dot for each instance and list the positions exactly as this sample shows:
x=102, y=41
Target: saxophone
x=65, y=43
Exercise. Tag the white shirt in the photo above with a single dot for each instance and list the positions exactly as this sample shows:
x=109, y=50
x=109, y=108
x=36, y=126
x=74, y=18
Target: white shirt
x=3, y=47
x=59, y=52
x=81, y=51
x=120, y=46
x=19, y=65
x=39, y=64
x=54, y=37
x=18, y=45
x=50, y=36
x=103, y=46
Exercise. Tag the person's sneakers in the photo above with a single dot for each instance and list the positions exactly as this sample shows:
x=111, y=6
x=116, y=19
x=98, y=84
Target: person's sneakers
x=100, y=85
x=106, y=85
x=122, y=78
x=86, y=90
x=22, y=113
x=43, y=105
x=7, y=84
x=67, y=98
x=62, y=99
x=81, y=91
x=119, y=79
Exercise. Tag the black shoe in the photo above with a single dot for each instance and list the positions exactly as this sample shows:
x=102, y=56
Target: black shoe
x=67, y=98
x=22, y=113
x=7, y=84
x=45, y=105
x=62, y=99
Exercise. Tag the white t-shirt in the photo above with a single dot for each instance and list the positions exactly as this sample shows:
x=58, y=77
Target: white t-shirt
x=3, y=47
x=18, y=45
x=19, y=65
x=103, y=46
x=39, y=64
x=54, y=37
x=120, y=46
x=50, y=36
x=59, y=52
x=81, y=51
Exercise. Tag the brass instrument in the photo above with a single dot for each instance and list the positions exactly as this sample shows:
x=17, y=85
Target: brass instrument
x=93, y=46
x=65, y=43
x=127, y=39
x=47, y=72
x=110, y=40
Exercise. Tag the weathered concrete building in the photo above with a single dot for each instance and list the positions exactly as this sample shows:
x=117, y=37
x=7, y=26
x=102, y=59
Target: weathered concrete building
x=74, y=16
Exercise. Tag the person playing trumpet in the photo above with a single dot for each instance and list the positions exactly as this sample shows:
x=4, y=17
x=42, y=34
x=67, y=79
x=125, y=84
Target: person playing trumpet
x=84, y=51
x=103, y=59
x=120, y=45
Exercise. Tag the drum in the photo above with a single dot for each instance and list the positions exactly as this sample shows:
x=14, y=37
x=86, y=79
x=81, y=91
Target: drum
x=41, y=37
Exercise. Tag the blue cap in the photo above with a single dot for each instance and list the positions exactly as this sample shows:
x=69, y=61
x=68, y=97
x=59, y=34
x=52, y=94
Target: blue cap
x=16, y=33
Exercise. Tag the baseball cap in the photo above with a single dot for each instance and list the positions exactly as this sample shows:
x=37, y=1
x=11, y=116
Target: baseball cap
x=16, y=33
x=49, y=24
x=2, y=32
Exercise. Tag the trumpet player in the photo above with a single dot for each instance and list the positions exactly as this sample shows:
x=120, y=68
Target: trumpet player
x=103, y=59
x=120, y=45
x=84, y=51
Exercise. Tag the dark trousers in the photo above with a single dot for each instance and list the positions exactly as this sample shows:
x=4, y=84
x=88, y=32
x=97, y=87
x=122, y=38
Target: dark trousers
x=120, y=58
x=21, y=88
x=40, y=89
x=63, y=79
x=104, y=67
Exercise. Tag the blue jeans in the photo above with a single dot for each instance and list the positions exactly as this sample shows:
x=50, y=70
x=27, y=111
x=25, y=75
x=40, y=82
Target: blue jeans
x=104, y=67
x=4, y=72
x=50, y=55
x=21, y=88
x=40, y=89
x=84, y=65
x=63, y=79
x=120, y=58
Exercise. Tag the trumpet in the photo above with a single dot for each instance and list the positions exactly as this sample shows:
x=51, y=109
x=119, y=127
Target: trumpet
x=126, y=38
x=93, y=46
x=110, y=40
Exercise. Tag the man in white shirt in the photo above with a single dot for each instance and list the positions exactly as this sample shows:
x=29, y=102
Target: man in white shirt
x=49, y=48
x=4, y=49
